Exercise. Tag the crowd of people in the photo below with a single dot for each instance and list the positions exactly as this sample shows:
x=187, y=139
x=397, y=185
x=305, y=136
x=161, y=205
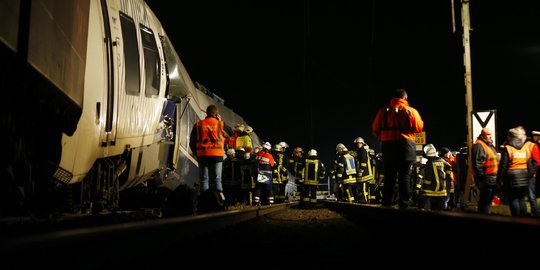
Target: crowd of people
x=435, y=180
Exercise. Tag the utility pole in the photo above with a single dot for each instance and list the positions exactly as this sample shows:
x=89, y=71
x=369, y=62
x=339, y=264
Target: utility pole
x=466, y=24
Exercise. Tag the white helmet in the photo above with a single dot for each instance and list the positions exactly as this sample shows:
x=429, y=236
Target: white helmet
x=312, y=153
x=359, y=140
x=239, y=127
x=277, y=147
x=340, y=147
x=430, y=150
x=248, y=129
x=283, y=144
x=230, y=151
x=267, y=145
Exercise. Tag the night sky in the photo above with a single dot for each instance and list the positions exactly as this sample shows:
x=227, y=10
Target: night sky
x=315, y=73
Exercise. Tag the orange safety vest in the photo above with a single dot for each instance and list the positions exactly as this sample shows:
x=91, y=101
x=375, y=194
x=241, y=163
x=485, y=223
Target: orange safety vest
x=519, y=157
x=491, y=164
x=210, y=141
x=397, y=122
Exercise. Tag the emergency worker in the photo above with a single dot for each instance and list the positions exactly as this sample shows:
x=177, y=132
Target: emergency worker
x=449, y=157
x=395, y=126
x=244, y=139
x=230, y=142
x=485, y=167
x=208, y=141
x=365, y=171
x=265, y=168
x=433, y=180
x=280, y=175
x=296, y=168
x=516, y=169
x=314, y=170
x=346, y=173
x=335, y=186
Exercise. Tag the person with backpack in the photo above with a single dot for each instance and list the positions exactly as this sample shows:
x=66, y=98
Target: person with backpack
x=395, y=126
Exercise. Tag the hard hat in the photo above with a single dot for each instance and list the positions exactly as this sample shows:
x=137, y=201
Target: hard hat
x=298, y=149
x=248, y=129
x=339, y=146
x=278, y=147
x=230, y=151
x=312, y=153
x=239, y=127
x=359, y=140
x=430, y=150
x=283, y=144
x=267, y=145
x=241, y=149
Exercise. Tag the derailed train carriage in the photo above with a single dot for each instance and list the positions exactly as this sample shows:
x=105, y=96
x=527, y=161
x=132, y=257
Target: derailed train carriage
x=96, y=103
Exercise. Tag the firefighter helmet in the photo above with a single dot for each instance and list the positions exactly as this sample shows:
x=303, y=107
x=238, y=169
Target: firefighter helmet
x=283, y=144
x=239, y=127
x=430, y=150
x=339, y=147
x=359, y=140
x=267, y=145
x=312, y=153
x=230, y=151
x=277, y=147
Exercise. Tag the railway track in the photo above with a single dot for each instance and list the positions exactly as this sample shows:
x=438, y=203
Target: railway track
x=117, y=242
x=286, y=235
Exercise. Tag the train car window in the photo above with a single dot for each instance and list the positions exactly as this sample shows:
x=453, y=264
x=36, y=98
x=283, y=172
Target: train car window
x=177, y=84
x=187, y=120
x=131, y=55
x=152, y=63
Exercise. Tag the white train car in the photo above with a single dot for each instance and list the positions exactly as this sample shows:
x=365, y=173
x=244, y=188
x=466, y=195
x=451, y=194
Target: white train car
x=87, y=85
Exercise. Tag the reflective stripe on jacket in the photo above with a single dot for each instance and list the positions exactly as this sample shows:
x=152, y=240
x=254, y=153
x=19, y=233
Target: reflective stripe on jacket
x=397, y=122
x=490, y=165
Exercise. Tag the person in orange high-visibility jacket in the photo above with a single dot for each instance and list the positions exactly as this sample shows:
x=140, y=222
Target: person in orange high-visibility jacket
x=516, y=168
x=485, y=164
x=208, y=141
x=395, y=126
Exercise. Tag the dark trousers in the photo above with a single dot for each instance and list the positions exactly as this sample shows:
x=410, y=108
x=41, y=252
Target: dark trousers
x=532, y=197
x=433, y=203
x=399, y=171
x=516, y=196
x=263, y=190
x=486, y=196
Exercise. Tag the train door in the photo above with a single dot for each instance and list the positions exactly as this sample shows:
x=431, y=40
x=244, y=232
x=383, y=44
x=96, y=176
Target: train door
x=112, y=29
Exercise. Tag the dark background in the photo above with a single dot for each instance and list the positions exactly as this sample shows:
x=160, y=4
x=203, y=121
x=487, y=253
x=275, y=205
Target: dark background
x=314, y=73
